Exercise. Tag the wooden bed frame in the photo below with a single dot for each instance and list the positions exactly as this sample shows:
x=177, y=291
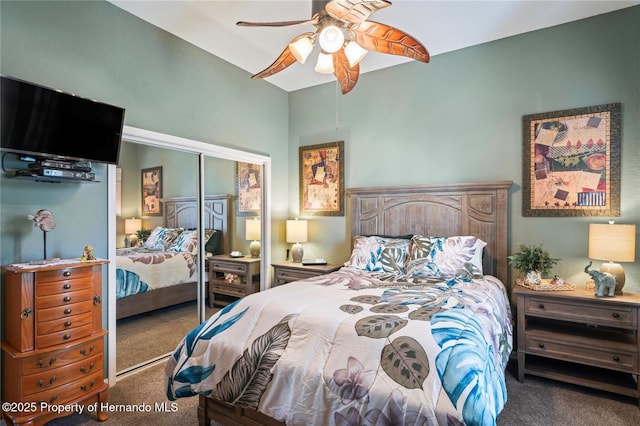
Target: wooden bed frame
x=479, y=209
x=180, y=212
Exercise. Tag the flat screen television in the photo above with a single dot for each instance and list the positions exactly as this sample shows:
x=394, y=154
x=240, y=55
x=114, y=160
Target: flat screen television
x=41, y=121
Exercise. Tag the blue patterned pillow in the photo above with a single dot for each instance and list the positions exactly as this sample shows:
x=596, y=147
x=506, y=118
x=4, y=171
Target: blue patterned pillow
x=187, y=242
x=161, y=238
x=375, y=253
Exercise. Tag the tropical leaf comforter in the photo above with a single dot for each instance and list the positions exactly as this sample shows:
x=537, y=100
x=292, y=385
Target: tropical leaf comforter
x=139, y=269
x=353, y=348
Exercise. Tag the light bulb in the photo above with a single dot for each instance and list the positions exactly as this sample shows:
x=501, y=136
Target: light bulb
x=324, y=64
x=331, y=39
x=301, y=48
x=354, y=53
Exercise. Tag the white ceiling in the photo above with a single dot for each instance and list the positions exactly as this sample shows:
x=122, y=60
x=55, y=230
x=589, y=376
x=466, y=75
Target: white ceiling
x=441, y=26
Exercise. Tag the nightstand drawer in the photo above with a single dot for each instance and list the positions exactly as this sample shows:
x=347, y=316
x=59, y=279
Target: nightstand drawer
x=289, y=275
x=588, y=312
x=237, y=290
x=233, y=267
x=615, y=360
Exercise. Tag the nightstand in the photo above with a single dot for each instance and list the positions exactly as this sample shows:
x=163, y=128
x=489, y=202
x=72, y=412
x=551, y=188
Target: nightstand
x=232, y=276
x=285, y=272
x=575, y=337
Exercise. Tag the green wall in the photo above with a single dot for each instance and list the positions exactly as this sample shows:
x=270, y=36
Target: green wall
x=459, y=118
x=99, y=51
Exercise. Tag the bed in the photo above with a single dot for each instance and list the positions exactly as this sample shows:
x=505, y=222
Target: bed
x=150, y=278
x=416, y=328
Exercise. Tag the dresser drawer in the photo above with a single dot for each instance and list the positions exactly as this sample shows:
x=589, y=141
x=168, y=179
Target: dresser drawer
x=56, y=287
x=55, y=359
x=42, y=341
x=289, y=275
x=600, y=357
x=57, y=377
x=233, y=267
x=64, y=323
x=62, y=299
x=598, y=312
x=69, y=392
x=49, y=314
x=237, y=290
x=64, y=274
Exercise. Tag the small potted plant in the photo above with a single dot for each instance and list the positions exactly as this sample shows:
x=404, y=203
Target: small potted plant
x=533, y=262
x=143, y=234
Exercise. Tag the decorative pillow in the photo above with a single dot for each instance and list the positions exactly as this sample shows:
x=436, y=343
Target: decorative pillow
x=375, y=253
x=447, y=256
x=161, y=238
x=366, y=253
x=394, y=254
x=214, y=239
x=187, y=242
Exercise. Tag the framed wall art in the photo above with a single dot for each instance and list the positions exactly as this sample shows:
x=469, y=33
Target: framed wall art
x=248, y=189
x=152, y=191
x=571, y=162
x=322, y=179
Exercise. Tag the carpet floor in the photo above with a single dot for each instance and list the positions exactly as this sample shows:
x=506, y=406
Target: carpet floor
x=536, y=402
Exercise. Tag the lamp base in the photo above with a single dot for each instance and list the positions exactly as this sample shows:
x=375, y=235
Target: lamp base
x=297, y=253
x=616, y=270
x=254, y=249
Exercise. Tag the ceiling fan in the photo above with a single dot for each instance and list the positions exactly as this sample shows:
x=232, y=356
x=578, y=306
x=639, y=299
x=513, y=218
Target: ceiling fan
x=344, y=35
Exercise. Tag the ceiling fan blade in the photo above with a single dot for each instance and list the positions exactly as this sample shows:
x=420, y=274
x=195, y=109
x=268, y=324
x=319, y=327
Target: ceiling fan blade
x=274, y=24
x=346, y=75
x=354, y=11
x=285, y=59
x=386, y=39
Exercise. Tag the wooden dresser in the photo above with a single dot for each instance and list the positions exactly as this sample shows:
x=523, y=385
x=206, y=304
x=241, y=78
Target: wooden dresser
x=54, y=341
x=578, y=338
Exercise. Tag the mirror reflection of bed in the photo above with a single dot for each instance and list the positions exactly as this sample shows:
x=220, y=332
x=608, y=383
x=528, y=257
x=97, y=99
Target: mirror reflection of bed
x=157, y=281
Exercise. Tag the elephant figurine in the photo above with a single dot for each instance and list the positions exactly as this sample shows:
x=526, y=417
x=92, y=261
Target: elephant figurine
x=604, y=281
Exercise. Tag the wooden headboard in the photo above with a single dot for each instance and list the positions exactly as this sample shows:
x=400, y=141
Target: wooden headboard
x=478, y=209
x=182, y=212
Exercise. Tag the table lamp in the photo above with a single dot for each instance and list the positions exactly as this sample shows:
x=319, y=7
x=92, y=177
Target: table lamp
x=297, y=233
x=131, y=226
x=612, y=243
x=252, y=233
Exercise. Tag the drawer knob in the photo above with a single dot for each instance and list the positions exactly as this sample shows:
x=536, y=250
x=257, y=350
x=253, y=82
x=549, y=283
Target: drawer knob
x=25, y=313
x=66, y=337
x=84, y=352
x=67, y=311
x=616, y=358
x=541, y=306
x=66, y=299
x=66, y=273
x=66, y=286
x=541, y=345
x=67, y=324
x=616, y=315
x=84, y=370
x=51, y=380
x=86, y=388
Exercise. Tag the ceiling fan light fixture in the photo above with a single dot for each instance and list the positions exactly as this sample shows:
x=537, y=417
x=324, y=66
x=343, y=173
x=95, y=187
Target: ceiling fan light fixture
x=354, y=53
x=301, y=49
x=324, y=64
x=331, y=39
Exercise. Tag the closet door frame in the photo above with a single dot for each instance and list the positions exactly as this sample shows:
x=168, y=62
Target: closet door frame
x=202, y=149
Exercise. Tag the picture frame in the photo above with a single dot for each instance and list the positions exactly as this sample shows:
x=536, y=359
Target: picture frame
x=151, y=191
x=248, y=189
x=322, y=179
x=571, y=162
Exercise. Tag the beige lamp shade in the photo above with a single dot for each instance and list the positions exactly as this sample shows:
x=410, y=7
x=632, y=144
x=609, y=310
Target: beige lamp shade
x=296, y=231
x=612, y=242
x=132, y=225
x=252, y=230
